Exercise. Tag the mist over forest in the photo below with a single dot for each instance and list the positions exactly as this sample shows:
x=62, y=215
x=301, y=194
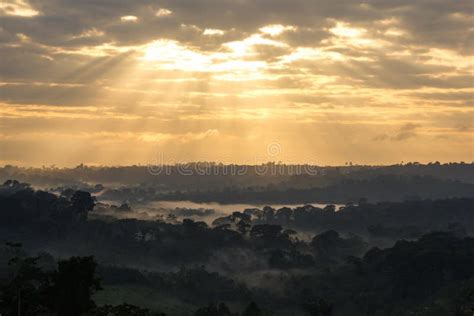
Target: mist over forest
x=353, y=240
x=236, y=158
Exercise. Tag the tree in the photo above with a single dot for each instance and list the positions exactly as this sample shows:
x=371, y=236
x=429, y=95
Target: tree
x=252, y=310
x=124, y=310
x=284, y=215
x=464, y=302
x=22, y=294
x=266, y=231
x=214, y=309
x=73, y=285
x=268, y=214
x=330, y=246
x=318, y=307
x=243, y=227
x=82, y=203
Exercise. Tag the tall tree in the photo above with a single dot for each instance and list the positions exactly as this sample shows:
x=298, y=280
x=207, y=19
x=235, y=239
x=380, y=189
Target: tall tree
x=73, y=286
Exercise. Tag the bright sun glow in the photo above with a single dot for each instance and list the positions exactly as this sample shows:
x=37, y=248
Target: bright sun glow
x=166, y=54
x=17, y=8
x=213, y=32
x=163, y=12
x=171, y=55
x=344, y=30
x=129, y=18
x=355, y=76
x=276, y=29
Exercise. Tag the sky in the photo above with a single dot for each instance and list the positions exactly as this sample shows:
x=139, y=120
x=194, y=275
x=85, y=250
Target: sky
x=325, y=82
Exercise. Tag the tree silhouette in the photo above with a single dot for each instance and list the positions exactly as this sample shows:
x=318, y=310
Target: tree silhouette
x=252, y=310
x=73, y=285
x=82, y=203
x=123, y=310
x=213, y=309
x=318, y=307
x=22, y=294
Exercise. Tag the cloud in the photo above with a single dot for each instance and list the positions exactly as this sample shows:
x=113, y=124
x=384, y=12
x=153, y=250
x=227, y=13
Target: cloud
x=402, y=133
x=17, y=8
x=405, y=132
x=163, y=12
x=227, y=63
x=213, y=32
x=128, y=18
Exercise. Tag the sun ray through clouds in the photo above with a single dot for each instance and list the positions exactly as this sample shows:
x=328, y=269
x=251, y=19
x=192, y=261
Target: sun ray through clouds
x=350, y=75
